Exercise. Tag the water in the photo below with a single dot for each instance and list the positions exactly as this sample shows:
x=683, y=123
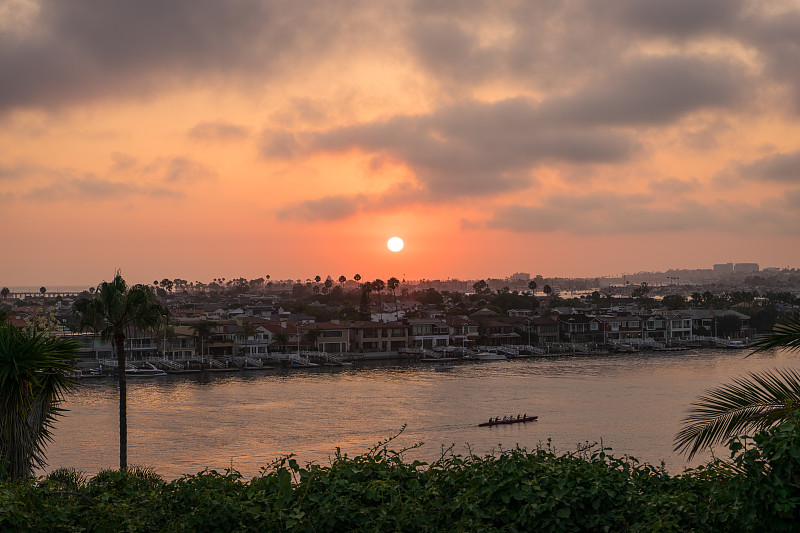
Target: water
x=184, y=424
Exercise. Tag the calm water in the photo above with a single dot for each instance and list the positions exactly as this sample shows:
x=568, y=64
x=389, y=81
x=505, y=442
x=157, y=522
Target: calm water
x=181, y=424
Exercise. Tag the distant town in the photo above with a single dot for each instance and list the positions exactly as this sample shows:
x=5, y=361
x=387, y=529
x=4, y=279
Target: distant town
x=251, y=323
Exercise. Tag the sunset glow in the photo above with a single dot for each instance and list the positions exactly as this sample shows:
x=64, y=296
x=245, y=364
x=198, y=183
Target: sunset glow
x=198, y=138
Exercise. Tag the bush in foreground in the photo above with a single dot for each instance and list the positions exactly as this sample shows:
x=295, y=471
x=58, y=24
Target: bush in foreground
x=758, y=489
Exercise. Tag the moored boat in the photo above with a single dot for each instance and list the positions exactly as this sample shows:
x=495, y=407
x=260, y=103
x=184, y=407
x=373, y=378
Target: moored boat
x=144, y=372
x=490, y=356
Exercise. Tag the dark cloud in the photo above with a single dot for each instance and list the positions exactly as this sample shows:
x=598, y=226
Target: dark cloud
x=673, y=18
x=217, y=131
x=81, y=50
x=777, y=37
x=451, y=52
x=783, y=168
x=476, y=148
x=652, y=90
x=610, y=214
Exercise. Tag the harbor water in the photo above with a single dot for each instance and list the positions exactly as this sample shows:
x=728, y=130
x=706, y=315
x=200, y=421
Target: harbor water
x=182, y=424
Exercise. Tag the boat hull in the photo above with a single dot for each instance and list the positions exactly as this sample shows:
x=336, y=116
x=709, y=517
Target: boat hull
x=507, y=422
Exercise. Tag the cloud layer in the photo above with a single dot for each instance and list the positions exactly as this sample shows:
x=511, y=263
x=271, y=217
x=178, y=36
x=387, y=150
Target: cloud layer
x=578, y=118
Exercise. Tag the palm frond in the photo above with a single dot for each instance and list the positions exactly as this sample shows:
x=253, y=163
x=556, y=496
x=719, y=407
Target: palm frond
x=785, y=334
x=747, y=404
x=33, y=379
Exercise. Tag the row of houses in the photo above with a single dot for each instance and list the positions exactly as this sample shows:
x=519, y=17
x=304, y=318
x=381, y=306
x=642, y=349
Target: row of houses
x=258, y=337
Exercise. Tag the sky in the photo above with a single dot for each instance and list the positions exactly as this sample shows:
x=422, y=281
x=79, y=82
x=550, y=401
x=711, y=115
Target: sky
x=198, y=139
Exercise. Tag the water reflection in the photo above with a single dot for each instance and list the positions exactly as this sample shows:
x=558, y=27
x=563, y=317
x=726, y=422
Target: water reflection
x=183, y=424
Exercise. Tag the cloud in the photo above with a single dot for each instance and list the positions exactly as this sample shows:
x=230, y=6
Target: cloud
x=339, y=207
x=78, y=51
x=475, y=148
x=217, y=131
x=612, y=214
x=673, y=186
x=776, y=36
x=780, y=167
x=92, y=188
x=674, y=18
x=652, y=90
x=181, y=169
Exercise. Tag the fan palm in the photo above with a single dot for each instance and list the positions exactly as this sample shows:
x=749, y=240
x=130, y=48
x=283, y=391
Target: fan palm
x=751, y=403
x=113, y=312
x=33, y=379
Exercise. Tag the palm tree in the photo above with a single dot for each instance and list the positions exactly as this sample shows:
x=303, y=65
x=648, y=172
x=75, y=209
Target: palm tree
x=357, y=279
x=204, y=330
x=378, y=285
x=392, y=284
x=33, y=379
x=312, y=335
x=342, y=279
x=282, y=339
x=756, y=402
x=4, y=292
x=114, y=311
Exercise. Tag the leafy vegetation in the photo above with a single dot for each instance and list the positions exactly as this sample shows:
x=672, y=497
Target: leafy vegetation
x=115, y=311
x=33, y=380
x=757, y=489
x=753, y=403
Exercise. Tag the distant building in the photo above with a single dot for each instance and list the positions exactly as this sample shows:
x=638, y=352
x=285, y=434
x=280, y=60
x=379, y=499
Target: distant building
x=723, y=268
x=745, y=268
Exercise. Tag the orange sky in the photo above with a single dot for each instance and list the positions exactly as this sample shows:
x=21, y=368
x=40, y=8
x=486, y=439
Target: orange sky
x=201, y=139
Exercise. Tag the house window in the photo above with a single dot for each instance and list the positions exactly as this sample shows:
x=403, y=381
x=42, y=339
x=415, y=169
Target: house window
x=593, y=326
x=332, y=333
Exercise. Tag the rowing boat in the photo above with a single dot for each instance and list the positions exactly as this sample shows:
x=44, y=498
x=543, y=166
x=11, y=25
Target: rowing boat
x=508, y=421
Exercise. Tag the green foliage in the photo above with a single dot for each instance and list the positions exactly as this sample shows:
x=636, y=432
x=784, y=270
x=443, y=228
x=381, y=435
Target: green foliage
x=33, y=379
x=752, y=403
x=674, y=301
x=514, y=490
x=785, y=334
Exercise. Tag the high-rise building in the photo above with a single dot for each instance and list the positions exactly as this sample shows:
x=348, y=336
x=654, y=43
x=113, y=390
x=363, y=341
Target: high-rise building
x=723, y=268
x=745, y=268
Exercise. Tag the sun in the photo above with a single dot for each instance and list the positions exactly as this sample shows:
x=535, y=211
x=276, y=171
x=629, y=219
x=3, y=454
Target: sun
x=395, y=244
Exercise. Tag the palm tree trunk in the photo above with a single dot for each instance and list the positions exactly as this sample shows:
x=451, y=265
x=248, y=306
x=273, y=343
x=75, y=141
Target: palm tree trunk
x=119, y=340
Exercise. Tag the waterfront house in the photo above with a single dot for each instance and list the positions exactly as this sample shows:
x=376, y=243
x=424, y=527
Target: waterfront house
x=655, y=327
x=582, y=328
x=462, y=330
x=500, y=330
x=378, y=336
x=547, y=330
x=428, y=333
x=334, y=336
x=620, y=327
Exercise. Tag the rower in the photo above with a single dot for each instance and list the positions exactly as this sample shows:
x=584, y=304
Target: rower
x=525, y=416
